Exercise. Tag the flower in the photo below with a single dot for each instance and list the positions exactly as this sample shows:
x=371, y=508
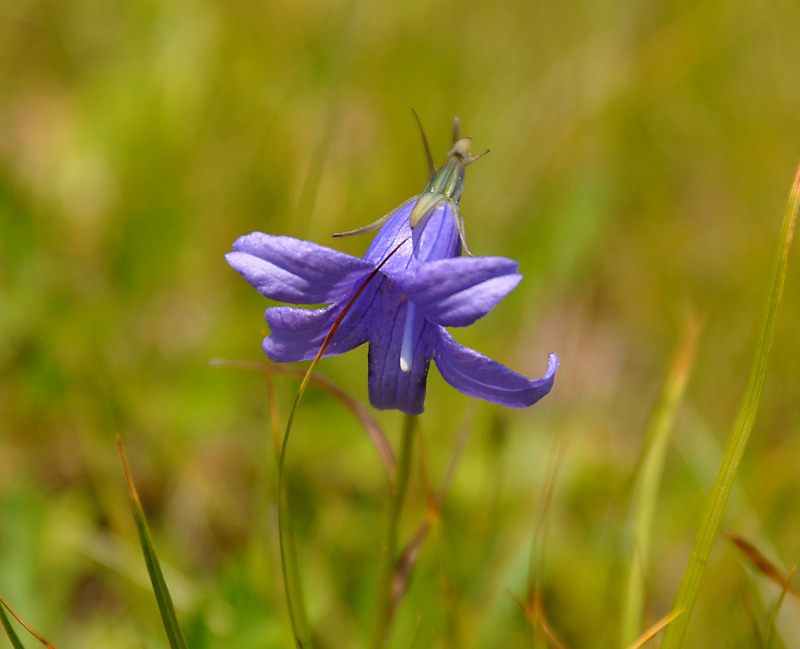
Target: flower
x=413, y=284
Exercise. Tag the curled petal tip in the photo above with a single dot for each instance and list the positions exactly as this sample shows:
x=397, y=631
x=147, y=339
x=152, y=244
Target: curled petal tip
x=545, y=383
x=552, y=365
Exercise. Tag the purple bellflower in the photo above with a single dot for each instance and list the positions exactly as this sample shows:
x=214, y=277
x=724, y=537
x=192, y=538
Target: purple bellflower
x=422, y=285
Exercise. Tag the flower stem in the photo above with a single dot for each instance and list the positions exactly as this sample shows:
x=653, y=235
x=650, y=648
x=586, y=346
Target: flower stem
x=289, y=564
x=386, y=591
x=292, y=584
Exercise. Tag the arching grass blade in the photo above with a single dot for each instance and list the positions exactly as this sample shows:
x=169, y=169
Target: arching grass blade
x=163, y=597
x=690, y=584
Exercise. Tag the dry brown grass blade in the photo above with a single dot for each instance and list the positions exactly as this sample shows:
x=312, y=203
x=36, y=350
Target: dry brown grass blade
x=24, y=624
x=762, y=564
x=405, y=564
x=654, y=630
x=551, y=636
x=534, y=613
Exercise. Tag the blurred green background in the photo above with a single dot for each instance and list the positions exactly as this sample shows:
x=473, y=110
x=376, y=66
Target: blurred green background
x=641, y=157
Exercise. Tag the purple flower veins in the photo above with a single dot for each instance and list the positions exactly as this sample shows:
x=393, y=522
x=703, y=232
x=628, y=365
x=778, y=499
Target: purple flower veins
x=403, y=311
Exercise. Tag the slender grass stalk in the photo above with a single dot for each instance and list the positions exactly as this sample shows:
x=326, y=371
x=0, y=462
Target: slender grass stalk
x=163, y=597
x=361, y=413
x=291, y=573
x=773, y=614
x=645, y=495
x=690, y=584
x=12, y=635
x=540, y=629
x=654, y=630
x=386, y=589
x=749, y=594
x=541, y=635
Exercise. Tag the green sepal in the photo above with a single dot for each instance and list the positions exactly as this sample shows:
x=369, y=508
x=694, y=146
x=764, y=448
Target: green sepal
x=424, y=206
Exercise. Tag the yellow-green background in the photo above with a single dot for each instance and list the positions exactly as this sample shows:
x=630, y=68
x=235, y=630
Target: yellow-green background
x=641, y=156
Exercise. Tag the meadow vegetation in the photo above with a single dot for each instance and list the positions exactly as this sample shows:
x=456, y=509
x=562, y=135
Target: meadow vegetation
x=641, y=158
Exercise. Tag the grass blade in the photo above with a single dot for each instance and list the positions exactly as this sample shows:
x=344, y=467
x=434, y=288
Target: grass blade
x=757, y=559
x=10, y=631
x=163, y=598
x=690, y=584
x=12, y=635
x=645, y=496
x=774, y=612
x=534, y=614
x=654, y=630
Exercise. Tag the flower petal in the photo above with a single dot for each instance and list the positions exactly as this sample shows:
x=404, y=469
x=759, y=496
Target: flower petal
x=392, y=232
x=297, y=334
x=478, y=376
x=296, y=271
x=456, y=292
x=436, y=236
x=389, y=386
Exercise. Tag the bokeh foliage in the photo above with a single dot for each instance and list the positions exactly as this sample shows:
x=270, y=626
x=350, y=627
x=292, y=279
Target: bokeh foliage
x=641, y=157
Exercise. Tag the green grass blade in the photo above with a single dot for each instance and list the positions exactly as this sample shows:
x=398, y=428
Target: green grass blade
x=163, y=598
x=10, y=631
x=12, y=635
x=771, y=628
x=645, y=495
x=690, y=584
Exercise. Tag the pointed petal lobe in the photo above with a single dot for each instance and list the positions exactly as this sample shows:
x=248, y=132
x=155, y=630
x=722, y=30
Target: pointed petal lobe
x=297, y=334
x=295, y=271
x=436, y=237
x=479, y=376
x=457, y=291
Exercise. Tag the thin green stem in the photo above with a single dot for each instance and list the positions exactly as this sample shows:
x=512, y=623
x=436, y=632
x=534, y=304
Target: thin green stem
x=291, y=573
x=645, y=496
x=289, y=565
x=386, y=590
